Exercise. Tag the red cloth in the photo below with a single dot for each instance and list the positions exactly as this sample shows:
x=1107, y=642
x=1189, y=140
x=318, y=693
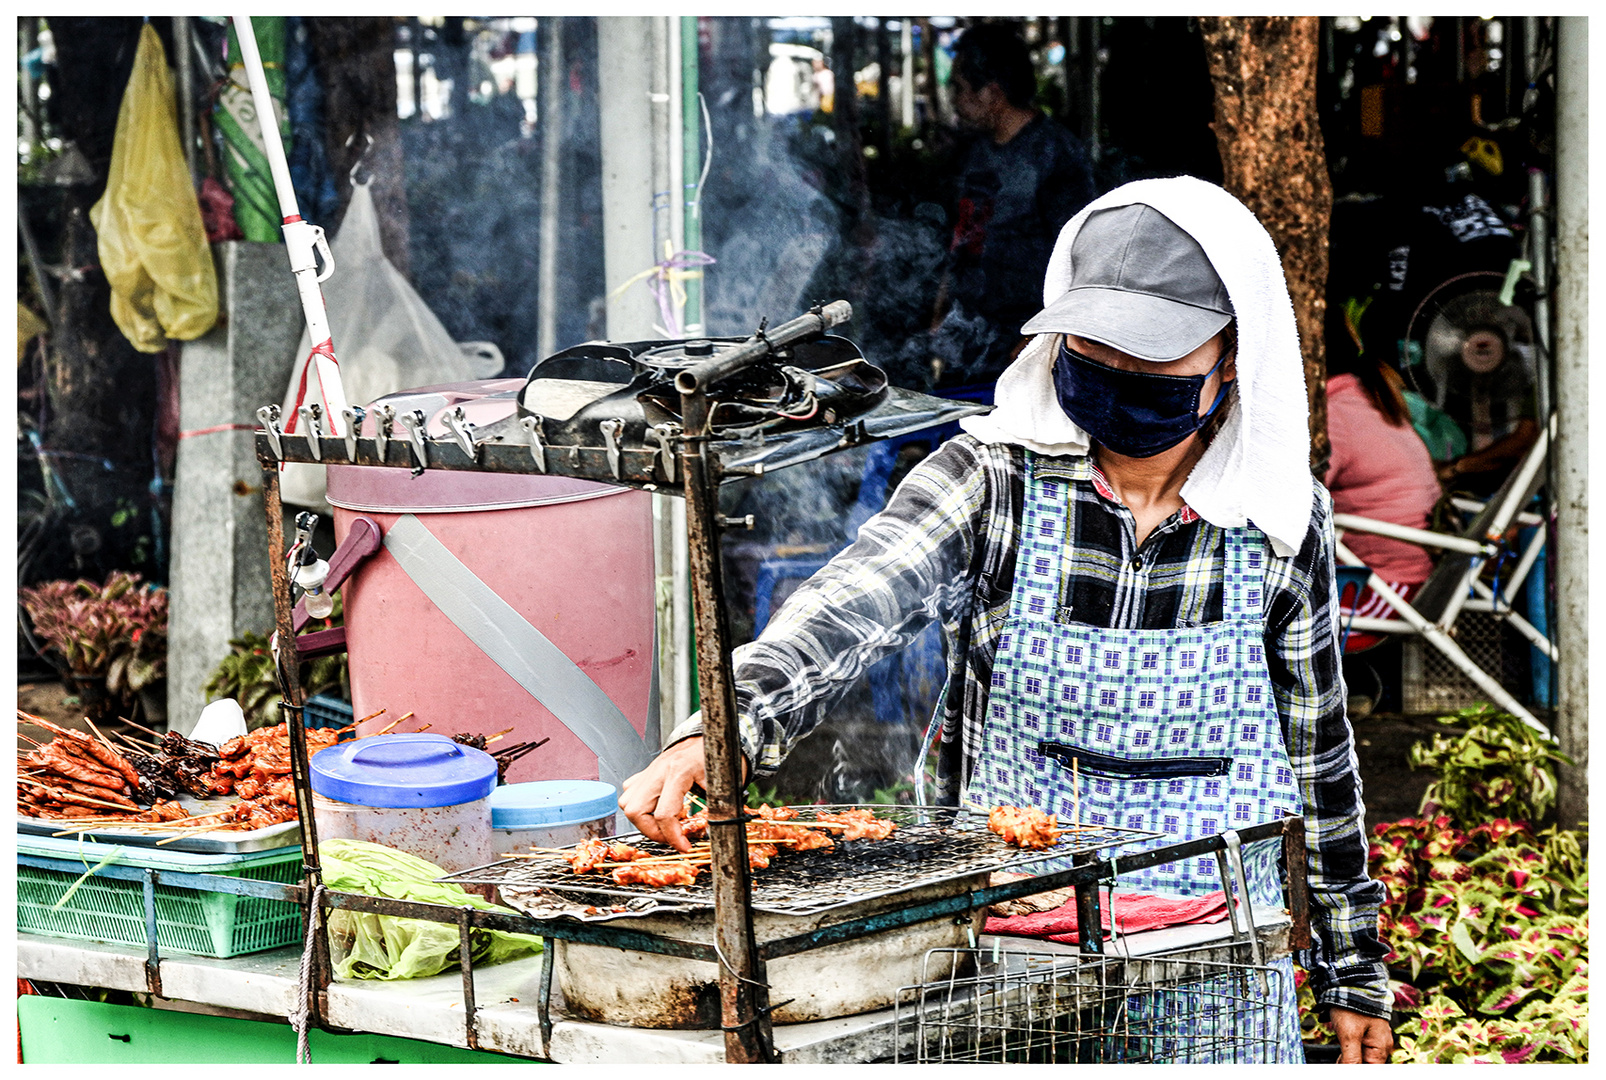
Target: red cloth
x=1135, y=912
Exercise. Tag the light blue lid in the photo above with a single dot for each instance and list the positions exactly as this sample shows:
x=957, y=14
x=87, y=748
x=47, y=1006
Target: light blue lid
x=405, y=770
x=545, y=804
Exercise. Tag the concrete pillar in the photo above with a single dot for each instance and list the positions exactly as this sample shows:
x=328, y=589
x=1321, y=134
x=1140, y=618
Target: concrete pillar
x=624, y=81
x=1570, y=465
x=219, y=575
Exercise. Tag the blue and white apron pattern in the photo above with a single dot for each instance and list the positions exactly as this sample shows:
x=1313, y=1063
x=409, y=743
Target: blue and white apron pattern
x=1172, y=731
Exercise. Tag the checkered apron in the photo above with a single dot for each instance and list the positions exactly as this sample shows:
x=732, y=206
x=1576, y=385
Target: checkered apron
x=1171, y=731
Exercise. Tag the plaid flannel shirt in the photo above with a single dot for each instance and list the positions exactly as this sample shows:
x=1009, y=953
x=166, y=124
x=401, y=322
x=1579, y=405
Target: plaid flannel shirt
x=944, y=549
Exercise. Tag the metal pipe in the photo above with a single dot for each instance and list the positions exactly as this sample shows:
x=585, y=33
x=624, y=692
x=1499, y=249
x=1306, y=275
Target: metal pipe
x=301, y=238
x=1356, y=523
x=1571, y=466
x=186, y=92
x=691, y=167
x=1444, y=643
x=699, y=377
x=742, y=990
x=1539, y=260
x=550, y=113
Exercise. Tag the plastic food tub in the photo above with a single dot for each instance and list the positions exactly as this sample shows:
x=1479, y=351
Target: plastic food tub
x=551, y=813
x=419, y=793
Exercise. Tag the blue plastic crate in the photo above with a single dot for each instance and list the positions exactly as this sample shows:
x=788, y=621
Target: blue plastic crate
x=323, y=711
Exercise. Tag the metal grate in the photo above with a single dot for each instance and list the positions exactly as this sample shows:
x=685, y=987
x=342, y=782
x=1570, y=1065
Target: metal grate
x=1044, y=1008
x=931, y=845
x=1431, y=684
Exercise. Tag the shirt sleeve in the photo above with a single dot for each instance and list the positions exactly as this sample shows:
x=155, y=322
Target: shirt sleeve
x=1346, y=956
x=908, y=567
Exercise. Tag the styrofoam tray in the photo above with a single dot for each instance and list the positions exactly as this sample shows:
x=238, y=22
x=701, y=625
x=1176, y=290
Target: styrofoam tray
x=222, y=842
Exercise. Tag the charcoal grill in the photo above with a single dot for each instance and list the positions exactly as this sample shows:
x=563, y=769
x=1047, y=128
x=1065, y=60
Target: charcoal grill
x=936, y=855
x=931, y=846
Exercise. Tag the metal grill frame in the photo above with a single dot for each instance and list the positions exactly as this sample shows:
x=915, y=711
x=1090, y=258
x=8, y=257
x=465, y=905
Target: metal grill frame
x=832, y=879
x=1030, y=1007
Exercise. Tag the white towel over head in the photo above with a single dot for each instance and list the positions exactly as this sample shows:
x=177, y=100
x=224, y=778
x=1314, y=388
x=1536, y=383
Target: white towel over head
x=1257, y=467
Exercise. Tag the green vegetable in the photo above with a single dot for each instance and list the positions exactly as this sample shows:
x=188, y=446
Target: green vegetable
x=368, y=946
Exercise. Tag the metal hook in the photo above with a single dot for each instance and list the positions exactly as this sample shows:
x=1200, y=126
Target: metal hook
x=353, y=416
x=383, y=430
x=463, y=431
x=612, y=430
x=662, y=433
x=310, y=416
x=360, y=156
x=532, y=425
x=269, y=417
x=414, y=423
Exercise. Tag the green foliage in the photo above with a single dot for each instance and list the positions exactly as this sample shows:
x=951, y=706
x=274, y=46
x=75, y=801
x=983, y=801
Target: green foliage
x=1486, y=916
x=116, y=631
x=247, y=676
x=1498, y=767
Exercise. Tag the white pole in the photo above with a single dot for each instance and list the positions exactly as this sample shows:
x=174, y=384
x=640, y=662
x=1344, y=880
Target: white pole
x=906, y=83
x=1570, y=468
x=300, y=237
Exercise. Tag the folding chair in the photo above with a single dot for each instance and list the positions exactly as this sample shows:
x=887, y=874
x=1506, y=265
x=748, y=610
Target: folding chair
x=1456, y=583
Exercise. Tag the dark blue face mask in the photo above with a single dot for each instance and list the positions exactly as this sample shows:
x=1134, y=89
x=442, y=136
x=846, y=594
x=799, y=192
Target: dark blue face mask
x=1128, y=412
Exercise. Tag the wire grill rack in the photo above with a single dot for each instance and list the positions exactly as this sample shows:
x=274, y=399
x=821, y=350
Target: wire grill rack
x=931, y=845
x=1041, y=1008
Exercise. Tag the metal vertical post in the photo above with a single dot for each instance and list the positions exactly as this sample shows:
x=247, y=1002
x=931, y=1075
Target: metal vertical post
x=692, y=153
x=186, y=92
x=288, y=663
x=742, y=991
x=549, y=114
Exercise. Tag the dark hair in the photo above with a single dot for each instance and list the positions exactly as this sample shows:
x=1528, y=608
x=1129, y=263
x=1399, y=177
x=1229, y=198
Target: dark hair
x=994, y=53
x=1382, y=384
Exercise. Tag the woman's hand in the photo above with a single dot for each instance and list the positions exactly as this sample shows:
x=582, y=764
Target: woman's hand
x=1362, y=1039
x=654, y=798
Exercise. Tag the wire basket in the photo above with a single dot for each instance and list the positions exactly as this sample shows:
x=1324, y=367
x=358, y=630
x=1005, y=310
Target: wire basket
x=1031, y=1007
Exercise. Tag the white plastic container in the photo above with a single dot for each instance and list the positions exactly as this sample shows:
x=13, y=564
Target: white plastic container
x=551, y=813
x=419, y=793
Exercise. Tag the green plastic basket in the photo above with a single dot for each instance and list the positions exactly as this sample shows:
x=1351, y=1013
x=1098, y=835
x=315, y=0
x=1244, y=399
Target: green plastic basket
x=189, y=920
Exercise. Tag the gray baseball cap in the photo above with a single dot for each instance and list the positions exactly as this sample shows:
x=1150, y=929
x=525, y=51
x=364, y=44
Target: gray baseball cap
x=1139, y=284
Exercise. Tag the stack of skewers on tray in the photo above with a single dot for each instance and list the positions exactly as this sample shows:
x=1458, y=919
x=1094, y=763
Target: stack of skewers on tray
x=94, y=781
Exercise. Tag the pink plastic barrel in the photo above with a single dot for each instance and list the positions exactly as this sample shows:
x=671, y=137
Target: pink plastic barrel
x=573, y=558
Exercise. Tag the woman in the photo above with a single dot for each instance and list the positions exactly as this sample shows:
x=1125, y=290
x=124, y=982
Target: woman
x=1134, y=568
x=1379, y=469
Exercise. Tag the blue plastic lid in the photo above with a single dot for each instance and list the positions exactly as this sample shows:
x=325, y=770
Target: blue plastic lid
x=407, y=770
x=551, y=803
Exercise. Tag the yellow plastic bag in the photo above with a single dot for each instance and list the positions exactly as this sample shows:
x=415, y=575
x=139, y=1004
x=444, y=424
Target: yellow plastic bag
x=152, y=243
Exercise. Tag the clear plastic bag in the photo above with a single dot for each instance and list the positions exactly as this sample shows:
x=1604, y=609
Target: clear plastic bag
x=386, y=339
x=148, y=224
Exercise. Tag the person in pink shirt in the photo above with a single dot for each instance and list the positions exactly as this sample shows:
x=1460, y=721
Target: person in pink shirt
x=1380, y=469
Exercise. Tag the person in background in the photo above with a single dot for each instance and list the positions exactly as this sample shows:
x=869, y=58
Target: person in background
x=1020, y=179
x=1379, y=469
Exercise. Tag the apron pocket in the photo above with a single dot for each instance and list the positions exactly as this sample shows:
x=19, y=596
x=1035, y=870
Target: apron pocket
x=1096, y=764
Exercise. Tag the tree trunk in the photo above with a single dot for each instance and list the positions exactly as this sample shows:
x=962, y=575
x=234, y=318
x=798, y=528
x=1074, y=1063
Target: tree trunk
x=1272, y=158
x=356, y=60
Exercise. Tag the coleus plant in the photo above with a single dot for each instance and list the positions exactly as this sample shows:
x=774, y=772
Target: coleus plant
x=1497, y=766
x=1486, y=920
x=116, y=631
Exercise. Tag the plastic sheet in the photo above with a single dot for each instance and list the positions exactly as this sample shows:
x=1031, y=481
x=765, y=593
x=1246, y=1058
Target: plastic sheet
x=367, y=946
x=152, y=243
x=386, y=338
